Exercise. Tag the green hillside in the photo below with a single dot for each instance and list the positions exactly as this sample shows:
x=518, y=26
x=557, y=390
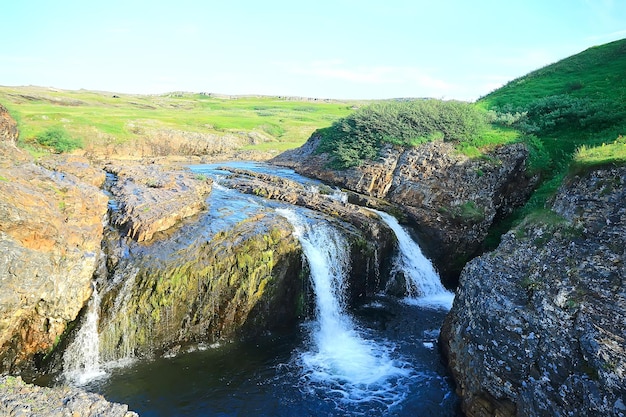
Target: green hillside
x=580, y=100
x=98, y=119
x=573, y=111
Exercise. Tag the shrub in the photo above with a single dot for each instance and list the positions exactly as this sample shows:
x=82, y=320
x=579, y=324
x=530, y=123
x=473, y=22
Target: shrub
x=564, y=112
x=359, y=136
x=58, y=139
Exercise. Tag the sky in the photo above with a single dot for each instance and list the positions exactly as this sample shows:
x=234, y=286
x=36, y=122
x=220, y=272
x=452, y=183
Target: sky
x=339, y=49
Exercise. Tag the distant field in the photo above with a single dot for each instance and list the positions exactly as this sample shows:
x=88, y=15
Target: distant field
x=103, y=119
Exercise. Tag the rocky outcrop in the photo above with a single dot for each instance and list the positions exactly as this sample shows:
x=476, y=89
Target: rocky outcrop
x=451, y=200
x=51, y=226
x=151, y=199
x=190, y=288
x=538, y=326
x=18, y=399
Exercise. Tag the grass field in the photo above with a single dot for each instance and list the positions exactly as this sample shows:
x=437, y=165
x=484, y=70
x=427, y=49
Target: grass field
x=99, y=118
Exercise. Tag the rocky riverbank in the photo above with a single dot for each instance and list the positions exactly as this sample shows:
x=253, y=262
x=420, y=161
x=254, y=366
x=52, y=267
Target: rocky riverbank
x=538, y=326
x=450, y=200
x=18, y=399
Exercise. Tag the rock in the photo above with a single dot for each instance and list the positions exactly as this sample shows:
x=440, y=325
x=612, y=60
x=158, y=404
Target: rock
x=371, y=239
x=77, y=165
x=188, y=288
x=51, y=226
x=151, y=199
x=450, y=199
x=538, y=326
x=18, y=399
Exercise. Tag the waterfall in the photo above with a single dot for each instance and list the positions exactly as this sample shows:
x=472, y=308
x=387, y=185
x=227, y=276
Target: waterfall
x=341, y=362
x=81, y=361
x=423, y=284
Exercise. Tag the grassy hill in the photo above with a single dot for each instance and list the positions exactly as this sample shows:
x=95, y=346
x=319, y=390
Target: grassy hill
x=574, y=111
x=99, y=119
x=580, y=100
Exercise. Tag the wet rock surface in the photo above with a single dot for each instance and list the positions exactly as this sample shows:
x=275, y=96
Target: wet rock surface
x=152, y=198
x=450, y=199
x=187, y=287
x=538, y=326
x=18, y=399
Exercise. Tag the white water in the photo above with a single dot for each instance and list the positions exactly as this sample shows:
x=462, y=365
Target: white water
x=81, y=360
x=341, y=362
x=423, y=283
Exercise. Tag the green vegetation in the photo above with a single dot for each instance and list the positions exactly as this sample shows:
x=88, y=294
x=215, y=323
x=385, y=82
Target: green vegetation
x=58, y=139
x=587, y=157
x=103, y=119
x=467, y=212
x=570, y=112
x=578, y=101
x=360, y=135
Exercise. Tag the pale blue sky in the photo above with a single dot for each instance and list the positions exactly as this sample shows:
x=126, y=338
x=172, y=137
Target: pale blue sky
x=452, y=49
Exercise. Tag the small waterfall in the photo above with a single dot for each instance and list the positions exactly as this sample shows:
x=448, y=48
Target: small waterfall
x=423, y=283
x=340, y=362
x=81, y=360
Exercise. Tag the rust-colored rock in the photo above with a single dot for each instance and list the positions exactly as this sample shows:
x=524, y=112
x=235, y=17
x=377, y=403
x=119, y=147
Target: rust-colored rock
x=51, y=226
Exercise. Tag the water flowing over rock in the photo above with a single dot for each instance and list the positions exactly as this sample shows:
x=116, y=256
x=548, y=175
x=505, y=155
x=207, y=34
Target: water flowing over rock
x=51, y=226
x=18, y=399
x=370, y=239
x=450, y=199
x=187, y=287
x=538, y=326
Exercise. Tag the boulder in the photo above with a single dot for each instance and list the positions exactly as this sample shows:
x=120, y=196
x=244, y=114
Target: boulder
x=18, y=399
x=189, y=287
x=151, y=198
x=538, y=326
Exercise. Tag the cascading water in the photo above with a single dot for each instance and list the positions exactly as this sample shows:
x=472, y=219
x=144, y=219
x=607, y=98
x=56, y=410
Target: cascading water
x=81, y=361
x=341, y=363
x=423, y=283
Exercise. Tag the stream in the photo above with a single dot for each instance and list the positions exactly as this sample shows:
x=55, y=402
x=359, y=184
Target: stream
x=378, y=358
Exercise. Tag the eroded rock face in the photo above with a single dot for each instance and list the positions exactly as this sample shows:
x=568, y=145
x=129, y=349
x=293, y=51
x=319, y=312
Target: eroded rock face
x=538, y=326
x=450, y=199
x=188, y=288
x=18, y=399
x=51, y=225
x=152, y=199
x=371, y=240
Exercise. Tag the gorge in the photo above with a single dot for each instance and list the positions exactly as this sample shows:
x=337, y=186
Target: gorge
x=249, y=288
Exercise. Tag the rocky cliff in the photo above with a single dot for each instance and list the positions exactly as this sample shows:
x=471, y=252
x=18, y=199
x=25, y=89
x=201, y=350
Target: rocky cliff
x=538, y=326
x=450, y=199
x=51, y=226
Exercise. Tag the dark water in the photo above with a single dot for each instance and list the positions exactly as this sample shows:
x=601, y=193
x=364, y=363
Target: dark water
x=264, y=378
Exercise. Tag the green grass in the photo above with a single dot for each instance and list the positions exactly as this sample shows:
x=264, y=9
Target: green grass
x=100, y=118
x=359, y=136
x=587, y=157
x=570, y=113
